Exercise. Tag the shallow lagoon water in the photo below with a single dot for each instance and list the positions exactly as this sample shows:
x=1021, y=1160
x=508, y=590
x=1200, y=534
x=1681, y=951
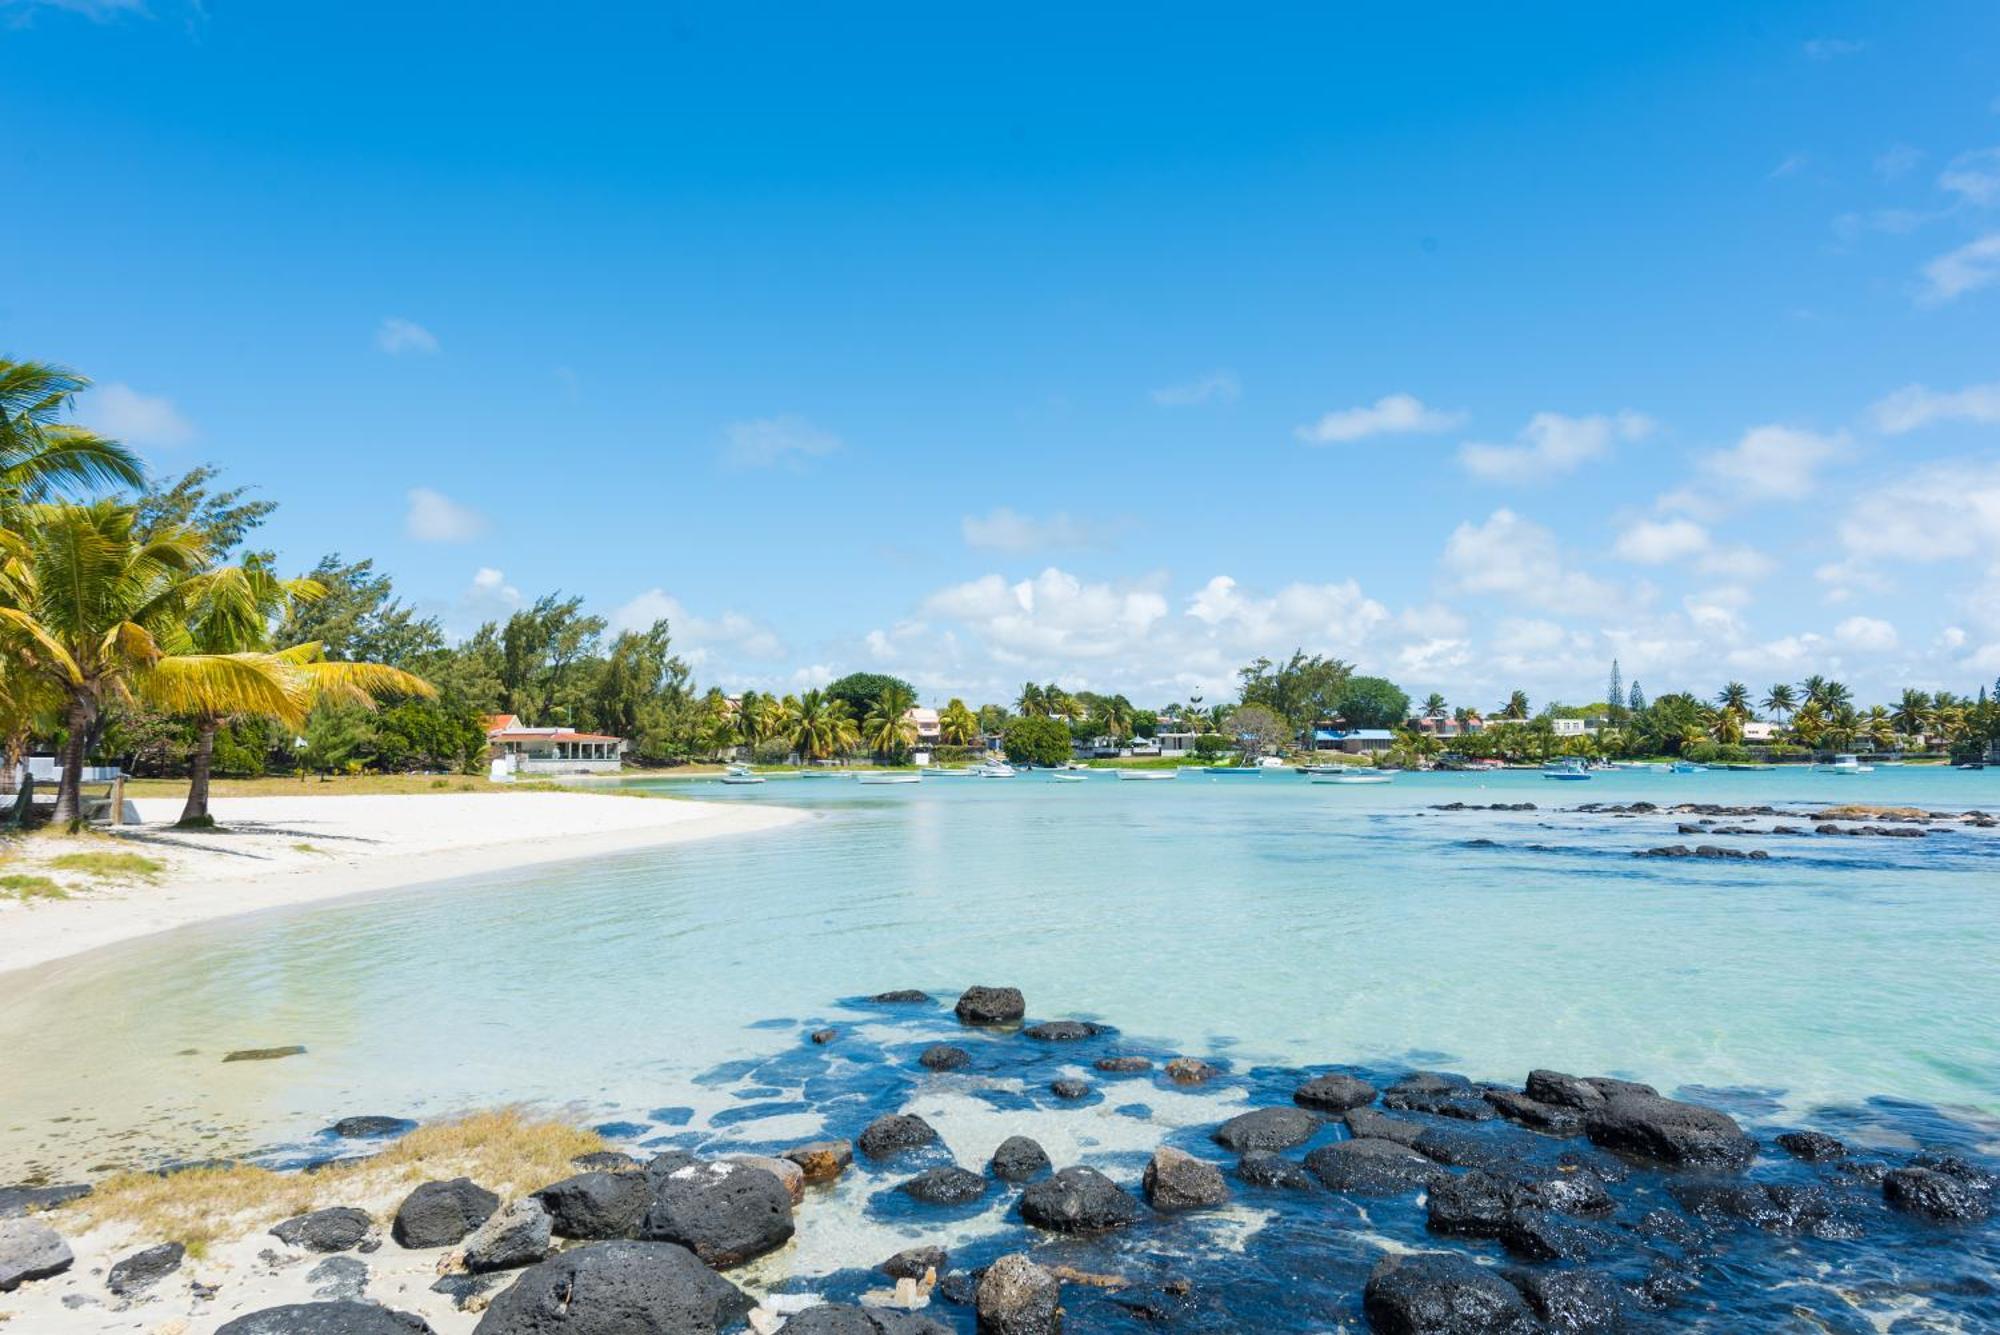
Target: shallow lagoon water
x=1263, y=918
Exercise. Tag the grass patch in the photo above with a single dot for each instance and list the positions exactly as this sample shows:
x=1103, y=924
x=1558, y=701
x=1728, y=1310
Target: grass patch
x=310, y=848
x=25, y=888
x=505, y=1151
x=109, y=866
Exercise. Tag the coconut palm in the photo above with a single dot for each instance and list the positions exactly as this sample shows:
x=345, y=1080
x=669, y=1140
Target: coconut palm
x=96, y=615
x=957, y=725
x=1911, y=711
x=1435, y=706
x=1735, y=697
x=1516, y=706
x=823, y=727
x=1781, y=699
x=1032, y=702
x=888, y=729
x=1879, y=728
x=751, y=720
x=232, y=611
x=42, y=456
x=1116, y=715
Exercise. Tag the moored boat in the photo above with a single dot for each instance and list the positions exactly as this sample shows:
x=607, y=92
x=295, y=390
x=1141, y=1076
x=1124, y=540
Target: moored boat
x=1149, y=774
x=888, y=777
x=994, y=769
x=1352, y=777
x=740, y=774
x=1565, y=769
x=1845, y=764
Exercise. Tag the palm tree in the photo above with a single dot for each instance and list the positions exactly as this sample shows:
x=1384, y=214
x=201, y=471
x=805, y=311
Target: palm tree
x=888, y=728
x=1516, y=706
x=1838, y=696
x=231, y=611
x=823, y=727
x=1879, y=728
x=1735, y=697
x=95, y=615
x=1911, y=710
x=1117, y=718
x=1435, y=706
x=957, y=725
x=1781, y=699
x=40, y=455
x=1032, y=702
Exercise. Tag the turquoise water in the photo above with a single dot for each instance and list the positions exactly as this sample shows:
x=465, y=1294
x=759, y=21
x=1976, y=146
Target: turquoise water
x=1265, y=919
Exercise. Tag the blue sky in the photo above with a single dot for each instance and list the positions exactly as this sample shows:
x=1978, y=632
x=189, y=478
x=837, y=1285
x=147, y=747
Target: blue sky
x=1114, y=347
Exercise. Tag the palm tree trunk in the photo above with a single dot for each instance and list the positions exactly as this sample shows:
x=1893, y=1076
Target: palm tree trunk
x=69, y=790
x=199, y=764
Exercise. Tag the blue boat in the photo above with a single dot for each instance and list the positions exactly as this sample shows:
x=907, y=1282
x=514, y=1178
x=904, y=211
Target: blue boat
x=1571, y=769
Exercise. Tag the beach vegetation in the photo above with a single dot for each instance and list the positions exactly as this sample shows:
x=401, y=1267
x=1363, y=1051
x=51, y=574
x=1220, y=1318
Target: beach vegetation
x=25, y=886
x=109, y=866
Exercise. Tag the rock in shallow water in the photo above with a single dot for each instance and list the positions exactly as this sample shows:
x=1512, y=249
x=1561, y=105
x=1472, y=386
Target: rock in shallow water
x=1573, y=1301
x=944, y=1057
x=515, y=1236
x=1267, y=1129
x=1018, y=1297
x=1669, y=1131
x=1062, y=1031
x=1178, y=1181
x=723, y=1212
x=1019, y=1159
x=337, y=1229
x=991, y=1005
x=822, y=1160
x=1371, y=1167
x=1936, y=1196
x=1262, y=1169
x=440, y=1214
x=841, y=1319
x=1438, y=1294
x=370, y=1128
x=142, y=1270
x=1070, y=1088
x=1812, y=1146
x=1334, y=1093
x=894, y=1134
x=1078, y=1200
x=617, y=1288
x=333, y=1318
x=30, y=1250
x=912, y=1262
x=945, y=1186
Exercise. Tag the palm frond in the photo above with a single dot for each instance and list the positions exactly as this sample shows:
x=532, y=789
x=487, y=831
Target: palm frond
x=223, y=686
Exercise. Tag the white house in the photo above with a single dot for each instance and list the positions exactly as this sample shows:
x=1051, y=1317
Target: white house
x=514, y=749
x=1756, y=731
x=929, y=731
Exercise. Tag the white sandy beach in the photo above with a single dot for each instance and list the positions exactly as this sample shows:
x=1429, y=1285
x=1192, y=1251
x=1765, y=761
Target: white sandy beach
x=273, y=852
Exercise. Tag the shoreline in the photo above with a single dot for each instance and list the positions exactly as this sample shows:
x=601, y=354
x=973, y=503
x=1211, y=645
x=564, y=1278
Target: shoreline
x=283, y=852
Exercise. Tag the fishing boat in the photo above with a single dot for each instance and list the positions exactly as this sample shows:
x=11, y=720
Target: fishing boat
x=1232, y=769
x=1571, y=769
x=1161, y=774
x=1067, y=776
x=1845, y=764
x=738, y=774
x=1353, y=776
x=887, y=777
x=1686, y=767
x=994, y=769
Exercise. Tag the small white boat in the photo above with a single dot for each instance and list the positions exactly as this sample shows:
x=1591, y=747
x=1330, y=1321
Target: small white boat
x=994, y=769
x=1686, y=767
x=1571, y=769
x=1154, y=774
x=888, y=777
x=1352, y=776
x=1066, y=776
x=1845, y=764
x=956, y=773
x=737, y=774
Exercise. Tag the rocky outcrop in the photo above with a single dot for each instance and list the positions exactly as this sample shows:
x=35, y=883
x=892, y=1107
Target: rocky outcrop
x=370, y=1127
x=842, y=1319
x=1371, y=1167
x=1261, y=1169
x=1019, y=1159
x=591, y=1207
x=822, y=1160
x=338, y=1229
x=332, y=1318
x=945, y=1186
x=1069, y=1087
x=1812, y=1146
x=517, y=1235
x=723, y=1212
x=1062, y=1031
x=1267, y=1129
x=30, y=1250
x=141, y=1270
x=944, y=1057
x=17, y=1201
x=1668, y=1130
x=1177, y=1181
x=1434, y=1293
x=440, y=1214
x=1127, y=1065
x=990, y=1006
x=1190, y=1071
x=1078, y=1200
x=915, y=1262
x=1937, y=1196
x=1334, y=1093
x=1018, y=1297
x=894, y=1134
x=617, y=1288
x=1439, y=1095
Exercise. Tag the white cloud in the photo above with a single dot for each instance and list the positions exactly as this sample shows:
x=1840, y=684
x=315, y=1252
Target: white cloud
x=768, y=442
x=1055, y=614
x=397, y=336
x=97, y=11
x=1915, y=406
x=1515, y=558
x=1974, y=265
x=1215, y=387
x=490, y=593
x=1946, y=511
x=1974, y=177
x=696, y=638
x=1736, y=561
x=436, y=517
x=1655, y=542
x=1846, y=579
x=1551, y=443
x=1832, y=48
x=1866, y=634
x=124, y=414
x=1773, y=463
x=1003, y=530
x=1897, y=160
x=1323, y=614
x=1390, y=415
x=812, y=676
